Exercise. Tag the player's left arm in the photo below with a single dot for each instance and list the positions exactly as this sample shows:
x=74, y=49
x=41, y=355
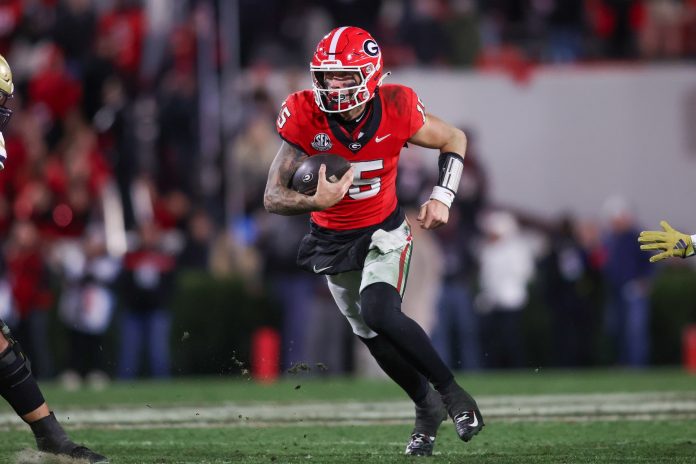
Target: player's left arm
x=436, y=133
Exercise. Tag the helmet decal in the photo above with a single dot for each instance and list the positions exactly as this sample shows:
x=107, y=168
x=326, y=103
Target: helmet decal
x=371, y=48
x=334, y=40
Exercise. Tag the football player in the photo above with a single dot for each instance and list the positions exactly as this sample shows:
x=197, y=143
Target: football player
x=17, y=384
x=359, y=237
x=669, y=242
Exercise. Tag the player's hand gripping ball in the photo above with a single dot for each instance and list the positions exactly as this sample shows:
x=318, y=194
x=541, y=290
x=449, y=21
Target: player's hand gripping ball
x=306, y=177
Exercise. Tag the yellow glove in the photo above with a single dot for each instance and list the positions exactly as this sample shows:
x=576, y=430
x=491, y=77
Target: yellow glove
x=671, y=242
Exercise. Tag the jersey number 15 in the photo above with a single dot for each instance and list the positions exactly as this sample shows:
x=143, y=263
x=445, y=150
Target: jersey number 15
x=374, y=183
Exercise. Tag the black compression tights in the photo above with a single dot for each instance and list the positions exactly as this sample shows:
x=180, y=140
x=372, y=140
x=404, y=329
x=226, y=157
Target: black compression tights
x=396, y=367
x=17, y=385
x=380, y=306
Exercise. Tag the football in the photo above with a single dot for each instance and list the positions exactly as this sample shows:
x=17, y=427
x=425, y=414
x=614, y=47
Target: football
x=306, y=177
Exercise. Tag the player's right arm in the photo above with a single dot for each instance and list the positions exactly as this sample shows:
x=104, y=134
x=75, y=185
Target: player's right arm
x=280, y=199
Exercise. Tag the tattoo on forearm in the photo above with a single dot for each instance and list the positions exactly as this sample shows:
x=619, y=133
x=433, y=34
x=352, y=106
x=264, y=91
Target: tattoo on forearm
x=278, y=198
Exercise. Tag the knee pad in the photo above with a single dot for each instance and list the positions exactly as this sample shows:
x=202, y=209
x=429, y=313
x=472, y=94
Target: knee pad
x=17, y=385
x=379, y=304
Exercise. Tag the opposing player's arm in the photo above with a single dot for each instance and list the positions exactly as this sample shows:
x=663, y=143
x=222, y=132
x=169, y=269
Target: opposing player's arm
x=435, y=133
x=3, y=152
x=280, y=199
x=669, y=242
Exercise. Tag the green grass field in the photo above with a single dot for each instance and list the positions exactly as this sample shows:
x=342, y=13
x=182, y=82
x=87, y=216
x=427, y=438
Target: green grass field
x=537, y=417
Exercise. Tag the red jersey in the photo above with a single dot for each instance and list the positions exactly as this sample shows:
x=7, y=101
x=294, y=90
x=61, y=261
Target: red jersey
x=373, y=149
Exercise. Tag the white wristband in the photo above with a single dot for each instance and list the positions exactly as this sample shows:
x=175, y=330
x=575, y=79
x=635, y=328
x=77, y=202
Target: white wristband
x=442, y=195
x=693, y=242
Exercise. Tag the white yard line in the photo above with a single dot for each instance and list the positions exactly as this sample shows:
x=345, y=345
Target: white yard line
x=612, y=406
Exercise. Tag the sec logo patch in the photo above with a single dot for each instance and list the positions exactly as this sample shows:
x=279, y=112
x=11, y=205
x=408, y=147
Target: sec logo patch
x=321, y=142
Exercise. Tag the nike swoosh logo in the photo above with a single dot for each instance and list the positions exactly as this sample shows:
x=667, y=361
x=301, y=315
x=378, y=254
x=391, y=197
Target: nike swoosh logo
x=474, y=423
x=317, y=271
x=379, y=139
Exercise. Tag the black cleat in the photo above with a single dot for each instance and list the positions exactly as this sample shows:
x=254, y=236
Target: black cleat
x=420, y=445
x=51, y=438
x=464, y=412
x=82, y=452
x=468, y=424
x=429, y=415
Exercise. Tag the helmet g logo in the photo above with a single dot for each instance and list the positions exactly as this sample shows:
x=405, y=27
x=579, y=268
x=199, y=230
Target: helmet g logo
x=307, y=177
x=371, y=48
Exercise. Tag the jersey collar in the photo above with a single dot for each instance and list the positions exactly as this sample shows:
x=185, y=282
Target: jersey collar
x=368, y=130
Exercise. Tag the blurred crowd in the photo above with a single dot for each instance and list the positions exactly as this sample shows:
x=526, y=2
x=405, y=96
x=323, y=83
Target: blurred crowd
x=477, y=32
x=115, y=181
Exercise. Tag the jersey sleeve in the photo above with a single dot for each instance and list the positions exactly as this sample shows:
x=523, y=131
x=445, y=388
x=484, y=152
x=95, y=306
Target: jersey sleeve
x=417, y=116
x=288, y=124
